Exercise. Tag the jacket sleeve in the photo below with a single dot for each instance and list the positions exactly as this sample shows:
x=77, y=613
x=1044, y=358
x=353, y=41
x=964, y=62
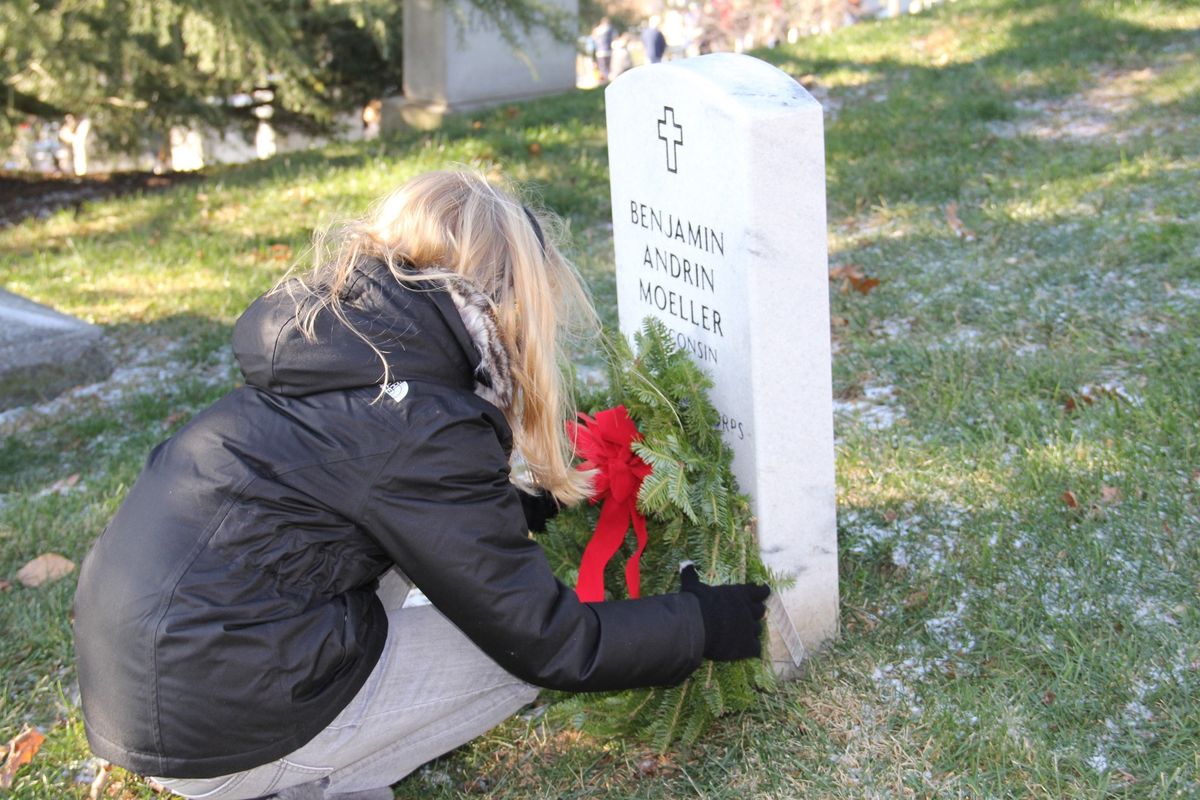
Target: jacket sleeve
x=445, y=512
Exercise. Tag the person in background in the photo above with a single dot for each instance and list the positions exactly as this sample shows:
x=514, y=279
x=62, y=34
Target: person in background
x=602, y=38
x=654, y=44
x=621, y=58
x=241, y=625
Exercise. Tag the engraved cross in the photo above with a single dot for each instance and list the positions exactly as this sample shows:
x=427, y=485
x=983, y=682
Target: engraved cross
x=676, y=140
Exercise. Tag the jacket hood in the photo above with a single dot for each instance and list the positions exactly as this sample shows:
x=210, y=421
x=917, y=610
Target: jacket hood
x=427, y=331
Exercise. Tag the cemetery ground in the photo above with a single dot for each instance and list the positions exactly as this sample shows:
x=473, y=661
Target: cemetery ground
x=1014, y=212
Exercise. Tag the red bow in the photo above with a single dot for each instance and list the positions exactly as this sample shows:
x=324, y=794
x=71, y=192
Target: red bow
x=605, y=444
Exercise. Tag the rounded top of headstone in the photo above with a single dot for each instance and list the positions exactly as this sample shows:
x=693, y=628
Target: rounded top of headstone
x=749, y=83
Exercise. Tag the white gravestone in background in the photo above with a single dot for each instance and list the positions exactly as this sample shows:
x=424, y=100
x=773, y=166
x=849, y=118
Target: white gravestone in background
x=456, y=58
x=717, y=166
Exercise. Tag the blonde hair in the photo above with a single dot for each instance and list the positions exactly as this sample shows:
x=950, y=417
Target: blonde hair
x=451, y=226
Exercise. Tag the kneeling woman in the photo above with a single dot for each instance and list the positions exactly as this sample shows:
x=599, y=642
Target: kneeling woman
x=240, y=625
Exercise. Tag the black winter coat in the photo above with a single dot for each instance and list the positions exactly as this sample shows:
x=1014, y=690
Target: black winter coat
x=228, y=613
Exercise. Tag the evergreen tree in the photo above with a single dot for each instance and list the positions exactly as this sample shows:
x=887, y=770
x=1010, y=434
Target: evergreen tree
x=694, y=512
x=135, y=66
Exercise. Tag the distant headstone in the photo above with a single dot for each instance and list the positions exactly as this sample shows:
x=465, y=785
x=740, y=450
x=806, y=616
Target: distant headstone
x=456, y=59
x=43, y=352
x=717, y=166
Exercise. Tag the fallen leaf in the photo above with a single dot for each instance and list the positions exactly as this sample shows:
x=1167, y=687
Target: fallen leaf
x=476, y=124
x=1124, y=777
x=1069, y=403
x=843, y=271
x=863, y=620
x=1109, y=495
x=1070, y=499
x=45, y=568
x=1048, y=697
x=281, y=252
x=960, y=230
x=864, y=285
x=648, y=765
x=917, y=599
x=890, y=516
x=21, y=751
x=838, y=322
x=852, y=277
x=535, y=148
x=174, y=419
x=61, y=486
x=96, y=790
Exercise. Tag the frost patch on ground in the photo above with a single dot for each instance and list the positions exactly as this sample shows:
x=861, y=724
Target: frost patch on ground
x=957, y=338
x=1093, y=114
x=874, y=410
x=893, y=328
x=1125, y=587
x=144, y=370
x=1128, y=731
x=917, y=544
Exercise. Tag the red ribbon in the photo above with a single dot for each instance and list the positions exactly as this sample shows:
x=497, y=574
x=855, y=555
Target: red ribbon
x=605, y=443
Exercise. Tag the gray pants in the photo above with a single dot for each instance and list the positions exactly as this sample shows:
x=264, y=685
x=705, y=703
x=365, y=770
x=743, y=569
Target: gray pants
x=431, y=691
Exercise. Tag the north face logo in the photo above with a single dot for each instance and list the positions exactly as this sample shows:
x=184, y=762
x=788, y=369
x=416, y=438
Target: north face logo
x=397, y=391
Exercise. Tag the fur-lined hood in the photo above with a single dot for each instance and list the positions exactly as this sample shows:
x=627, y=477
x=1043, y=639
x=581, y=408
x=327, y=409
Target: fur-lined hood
x=425, y=332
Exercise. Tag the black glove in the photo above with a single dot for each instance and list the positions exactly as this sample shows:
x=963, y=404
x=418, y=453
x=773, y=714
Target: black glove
x=539, y=509
x=732, y=616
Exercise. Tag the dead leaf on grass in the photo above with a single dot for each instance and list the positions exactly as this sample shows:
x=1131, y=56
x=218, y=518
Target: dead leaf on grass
x=838, y=322
x=21, y=751
x=535, y=149
x=956, y=225
x=173, y=419
x=843, y=270
x=1070, y=499
x=46, y=568
x=1110, y=495
x=852, y=277
x=1048, y=697
x=864, y=285
x=63, y=485
x=96, y=790
x=1124, y=777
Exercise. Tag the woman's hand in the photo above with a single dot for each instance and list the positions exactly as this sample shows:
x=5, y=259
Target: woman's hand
x=732, y=615
x=539, y=509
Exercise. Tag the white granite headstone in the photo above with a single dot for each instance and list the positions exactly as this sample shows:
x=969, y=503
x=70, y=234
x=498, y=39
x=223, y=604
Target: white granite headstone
x=456, y=59
x=717, y=166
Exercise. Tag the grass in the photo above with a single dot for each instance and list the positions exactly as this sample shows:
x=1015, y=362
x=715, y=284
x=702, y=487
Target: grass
x=1018, y=450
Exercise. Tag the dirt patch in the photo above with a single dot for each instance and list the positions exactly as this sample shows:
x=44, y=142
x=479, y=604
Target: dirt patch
x=1096, y=113
x=24, y=196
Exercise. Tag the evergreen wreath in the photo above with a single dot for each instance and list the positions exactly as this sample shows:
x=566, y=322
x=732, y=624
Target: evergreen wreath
x=693, y=512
